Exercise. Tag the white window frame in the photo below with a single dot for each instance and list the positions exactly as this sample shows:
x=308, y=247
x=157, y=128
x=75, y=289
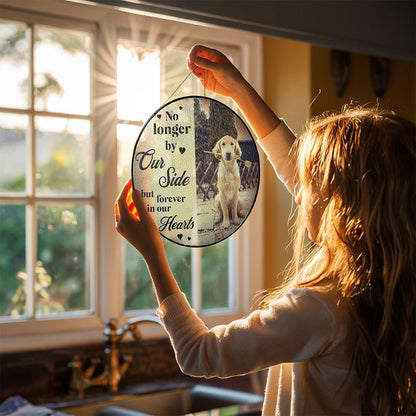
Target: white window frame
x=246, y=244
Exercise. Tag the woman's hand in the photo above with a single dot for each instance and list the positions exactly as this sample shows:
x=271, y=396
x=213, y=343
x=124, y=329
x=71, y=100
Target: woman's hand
x=218, y=74
x=215, y=71
x=136, y=224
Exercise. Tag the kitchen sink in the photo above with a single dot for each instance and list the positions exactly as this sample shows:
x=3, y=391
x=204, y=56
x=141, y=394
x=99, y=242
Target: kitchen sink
x=193, y=399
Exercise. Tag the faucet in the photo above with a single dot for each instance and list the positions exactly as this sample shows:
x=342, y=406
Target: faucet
x=113, y=369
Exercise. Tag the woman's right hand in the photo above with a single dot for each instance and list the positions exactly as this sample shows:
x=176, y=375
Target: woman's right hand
x=215, y=71
x=218, y=74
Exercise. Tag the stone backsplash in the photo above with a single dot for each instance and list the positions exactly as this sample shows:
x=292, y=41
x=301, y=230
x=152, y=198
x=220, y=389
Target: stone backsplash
x=44, y=375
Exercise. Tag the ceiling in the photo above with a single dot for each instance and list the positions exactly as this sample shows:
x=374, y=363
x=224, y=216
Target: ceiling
x=375, y=27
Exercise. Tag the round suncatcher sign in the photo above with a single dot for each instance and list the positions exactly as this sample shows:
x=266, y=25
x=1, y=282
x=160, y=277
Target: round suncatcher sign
x=196, y=166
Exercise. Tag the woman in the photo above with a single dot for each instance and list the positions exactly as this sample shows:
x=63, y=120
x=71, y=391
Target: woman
x=340, y=336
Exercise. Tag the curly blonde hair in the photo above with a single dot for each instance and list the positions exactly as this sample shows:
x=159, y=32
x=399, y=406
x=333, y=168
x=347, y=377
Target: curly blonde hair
x=362, y=163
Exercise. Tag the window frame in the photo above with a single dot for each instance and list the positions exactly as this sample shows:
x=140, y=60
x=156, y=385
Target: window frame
x=246, y=244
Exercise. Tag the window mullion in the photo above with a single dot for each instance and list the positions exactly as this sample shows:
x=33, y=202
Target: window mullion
x=163, y=83
x=30, y=259
x=31, y=228
x=232, y=275
x=109, y=299
x=30, y=175
x=196, y=279
x=93, y=237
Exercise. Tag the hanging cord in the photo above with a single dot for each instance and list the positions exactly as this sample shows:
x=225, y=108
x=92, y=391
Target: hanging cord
x=181, y=83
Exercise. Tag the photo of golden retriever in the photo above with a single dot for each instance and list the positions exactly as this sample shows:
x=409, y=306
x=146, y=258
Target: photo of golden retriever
x=227, y=205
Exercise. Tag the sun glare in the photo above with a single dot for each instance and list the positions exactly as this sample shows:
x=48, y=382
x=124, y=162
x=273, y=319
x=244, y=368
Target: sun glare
x=138, y=81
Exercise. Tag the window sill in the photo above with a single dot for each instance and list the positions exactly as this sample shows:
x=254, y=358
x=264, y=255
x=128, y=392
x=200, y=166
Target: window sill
x=22, y=341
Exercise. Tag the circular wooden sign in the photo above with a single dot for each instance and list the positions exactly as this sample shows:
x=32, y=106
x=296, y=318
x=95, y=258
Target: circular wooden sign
x=197, y=167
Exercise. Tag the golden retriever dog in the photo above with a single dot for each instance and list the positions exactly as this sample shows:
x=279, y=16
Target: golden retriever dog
x=227, y=204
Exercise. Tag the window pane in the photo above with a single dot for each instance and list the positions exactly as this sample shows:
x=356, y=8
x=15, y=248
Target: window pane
x=12, y=261
x=13, y=132
x=14, y=64
x=138, y=288
x=62, y=70
x=126, y=139
x=176, y=72
x=64, y=253
x=215, y=285
x=138, y=80
x=62, y=156
x=180, y=262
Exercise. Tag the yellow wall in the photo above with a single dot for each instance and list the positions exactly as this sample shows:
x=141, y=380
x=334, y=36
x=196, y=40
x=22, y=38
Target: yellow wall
x=286, y=90
x=400, y=92
x=293, y=74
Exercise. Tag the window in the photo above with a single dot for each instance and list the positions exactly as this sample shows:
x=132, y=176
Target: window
x=68, y=126
x=46, y=159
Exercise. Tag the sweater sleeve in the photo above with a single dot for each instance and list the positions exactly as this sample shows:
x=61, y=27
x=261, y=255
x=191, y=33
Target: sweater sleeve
x=296, y=327
x=277, y=145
